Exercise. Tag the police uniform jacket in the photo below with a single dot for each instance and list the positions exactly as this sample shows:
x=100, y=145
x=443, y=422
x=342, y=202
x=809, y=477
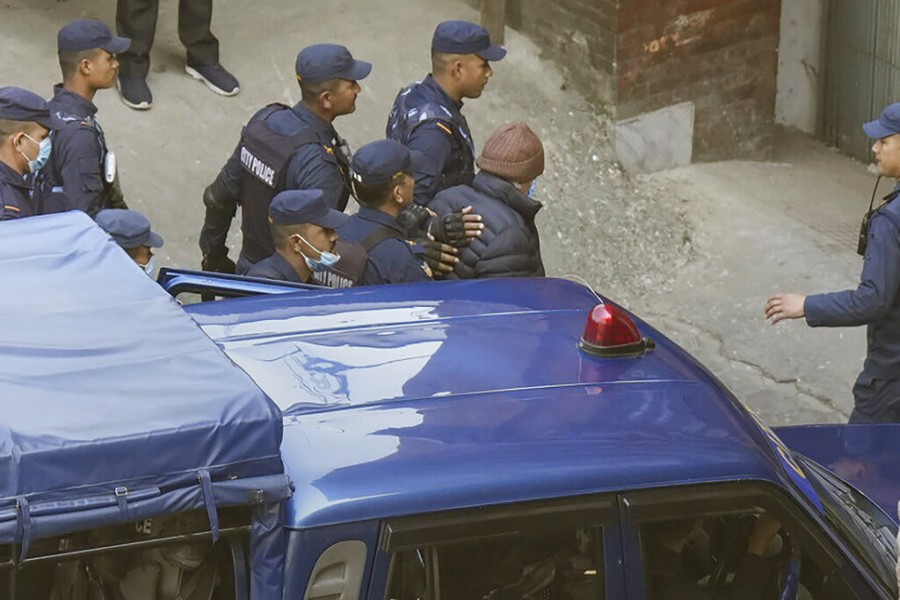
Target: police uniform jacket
x=426, y=119
x=275, y=267
x=14, y=198
x=312, y=166
x=876, y=302
x=394, y=259
x=509, y=245
x=73, y=177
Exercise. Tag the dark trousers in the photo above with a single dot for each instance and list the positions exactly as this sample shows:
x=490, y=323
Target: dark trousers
x=136, y=19
x=877, y=401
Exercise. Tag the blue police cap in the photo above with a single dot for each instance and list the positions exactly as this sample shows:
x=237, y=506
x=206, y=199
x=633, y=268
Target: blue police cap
x=88, y=34
x=378, y=162
x=321, y=62
x=129, y=228
x=886, y=125
x=17, y=104
x=295, y=207
x=462, y=37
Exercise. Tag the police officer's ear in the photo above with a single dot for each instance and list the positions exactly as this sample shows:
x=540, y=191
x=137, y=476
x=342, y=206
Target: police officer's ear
x=19, y=141
x=397, y=191
x=89, y=60
x=325, y=100
x=294, y=244
x=457, y=65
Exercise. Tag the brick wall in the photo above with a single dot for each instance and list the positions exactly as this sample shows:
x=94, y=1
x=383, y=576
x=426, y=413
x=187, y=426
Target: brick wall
x=642, y=55
x=719, y=54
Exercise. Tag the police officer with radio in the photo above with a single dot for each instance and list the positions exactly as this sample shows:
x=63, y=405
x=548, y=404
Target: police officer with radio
x=427, y=115
x=81, y=173
x=383, y=182
x=303, y=229
x=876, y=302
x=25, y=124
x=284, y=148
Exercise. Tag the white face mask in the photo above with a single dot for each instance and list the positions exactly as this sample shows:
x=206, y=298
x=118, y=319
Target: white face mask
x=150, y=268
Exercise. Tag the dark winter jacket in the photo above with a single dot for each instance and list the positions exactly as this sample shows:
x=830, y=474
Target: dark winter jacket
x=509, y=245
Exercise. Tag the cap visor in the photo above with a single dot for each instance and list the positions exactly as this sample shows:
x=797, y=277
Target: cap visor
x=155, y=240
x=359, y=70
x=876, y=131
x=332, y=219
x=117, y=45
x=493, y=53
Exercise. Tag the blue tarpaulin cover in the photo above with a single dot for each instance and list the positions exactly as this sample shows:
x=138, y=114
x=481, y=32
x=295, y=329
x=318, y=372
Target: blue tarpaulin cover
x=114, y=405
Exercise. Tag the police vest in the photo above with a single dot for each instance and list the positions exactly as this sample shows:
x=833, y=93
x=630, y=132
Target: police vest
x=50, y=195
x=265, y=156
x=418, y=104
x=351, y=269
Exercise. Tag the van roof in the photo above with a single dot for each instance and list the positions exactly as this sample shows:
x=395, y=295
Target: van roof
x=414, y=398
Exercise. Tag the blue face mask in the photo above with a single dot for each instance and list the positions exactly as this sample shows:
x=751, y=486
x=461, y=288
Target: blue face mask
x=325, y=261
x=43, y=155
x=532, y=190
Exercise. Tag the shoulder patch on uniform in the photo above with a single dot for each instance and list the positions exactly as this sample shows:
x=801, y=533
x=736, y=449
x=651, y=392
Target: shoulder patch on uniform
x=446, y=129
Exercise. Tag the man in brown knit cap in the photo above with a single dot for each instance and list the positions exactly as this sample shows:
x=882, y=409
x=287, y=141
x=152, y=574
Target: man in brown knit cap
x=511, y=161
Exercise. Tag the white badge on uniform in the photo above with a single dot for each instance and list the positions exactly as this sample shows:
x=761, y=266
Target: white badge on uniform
x=109, y=167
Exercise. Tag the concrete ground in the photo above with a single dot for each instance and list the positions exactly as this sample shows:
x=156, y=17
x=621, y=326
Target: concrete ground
x=762, y=228
x=695, y=251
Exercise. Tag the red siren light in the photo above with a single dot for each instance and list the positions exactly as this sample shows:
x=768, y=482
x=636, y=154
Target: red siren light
x=610, y=332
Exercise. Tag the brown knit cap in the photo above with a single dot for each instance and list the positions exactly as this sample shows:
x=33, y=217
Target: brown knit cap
x=513, y=152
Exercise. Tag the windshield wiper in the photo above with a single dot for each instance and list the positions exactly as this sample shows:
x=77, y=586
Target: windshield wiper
x=848, y=498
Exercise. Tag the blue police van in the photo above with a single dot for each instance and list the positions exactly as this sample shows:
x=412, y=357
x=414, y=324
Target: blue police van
x=486, y=440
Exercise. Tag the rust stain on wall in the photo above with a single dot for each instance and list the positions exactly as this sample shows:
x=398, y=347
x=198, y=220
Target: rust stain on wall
x=682, y=31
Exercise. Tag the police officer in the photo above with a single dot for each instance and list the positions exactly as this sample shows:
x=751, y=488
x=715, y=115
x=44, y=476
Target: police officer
x=131, y=231
x=25, y=123
x=284, y=148
x=502, y=193
x=81, y=173
x=303, y=229
x=427, y=116
x=876, y=302
x=383, y=182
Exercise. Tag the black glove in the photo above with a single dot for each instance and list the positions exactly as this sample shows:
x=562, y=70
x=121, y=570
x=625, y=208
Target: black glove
x=217, y=261
x=413, y=217
x=450, y=229
x=440, y=257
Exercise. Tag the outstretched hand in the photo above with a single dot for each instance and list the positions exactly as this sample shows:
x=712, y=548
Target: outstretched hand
x=785, y=306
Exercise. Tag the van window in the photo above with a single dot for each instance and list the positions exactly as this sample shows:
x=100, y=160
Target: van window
x=542, y=555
